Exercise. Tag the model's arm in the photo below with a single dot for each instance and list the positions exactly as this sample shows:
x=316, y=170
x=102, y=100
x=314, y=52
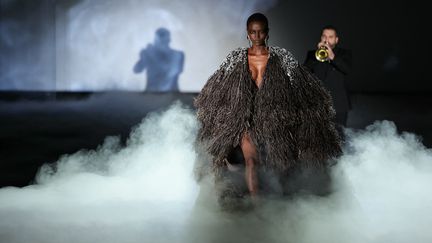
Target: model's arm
x=142, y=62
x=343, y=62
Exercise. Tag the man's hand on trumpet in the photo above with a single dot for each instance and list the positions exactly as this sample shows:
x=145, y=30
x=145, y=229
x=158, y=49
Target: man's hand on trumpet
x=330, y=52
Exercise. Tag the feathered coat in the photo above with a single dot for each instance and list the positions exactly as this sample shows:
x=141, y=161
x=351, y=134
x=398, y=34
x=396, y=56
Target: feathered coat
x=289, y=117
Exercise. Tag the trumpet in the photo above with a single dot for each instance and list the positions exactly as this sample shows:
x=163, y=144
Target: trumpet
x=321, y=54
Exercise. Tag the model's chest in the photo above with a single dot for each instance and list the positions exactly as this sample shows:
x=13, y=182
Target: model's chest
x=257, y=66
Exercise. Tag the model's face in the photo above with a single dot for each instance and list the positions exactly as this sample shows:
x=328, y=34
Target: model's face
x=257, y=33
x=330, y=37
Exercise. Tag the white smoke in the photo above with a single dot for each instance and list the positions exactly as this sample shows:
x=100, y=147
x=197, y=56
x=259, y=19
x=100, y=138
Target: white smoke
x=145, y=185
x=145, y=192
x=382, y=194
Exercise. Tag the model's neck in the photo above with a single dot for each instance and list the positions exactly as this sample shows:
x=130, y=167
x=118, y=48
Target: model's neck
x=259, y=49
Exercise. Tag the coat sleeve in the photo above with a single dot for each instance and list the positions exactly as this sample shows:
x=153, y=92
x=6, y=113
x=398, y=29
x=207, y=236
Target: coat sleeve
x=317, y=139
x=218, y=111
x=213, y=97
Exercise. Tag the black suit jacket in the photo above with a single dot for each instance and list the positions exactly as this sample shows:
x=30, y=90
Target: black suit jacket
x=333, y=74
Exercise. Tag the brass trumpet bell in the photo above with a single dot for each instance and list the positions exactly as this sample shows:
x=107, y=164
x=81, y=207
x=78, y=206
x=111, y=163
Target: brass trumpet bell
x=322, y=54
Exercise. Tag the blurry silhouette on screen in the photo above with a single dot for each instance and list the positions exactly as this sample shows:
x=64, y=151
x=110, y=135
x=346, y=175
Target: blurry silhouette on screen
x=163, y=64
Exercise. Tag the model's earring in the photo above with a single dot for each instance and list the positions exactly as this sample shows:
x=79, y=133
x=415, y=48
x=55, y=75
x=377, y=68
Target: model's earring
x=249, y=41
x=266, y=40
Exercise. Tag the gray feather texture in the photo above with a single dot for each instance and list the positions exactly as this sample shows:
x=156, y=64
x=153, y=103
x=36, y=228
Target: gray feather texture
x=289, y=117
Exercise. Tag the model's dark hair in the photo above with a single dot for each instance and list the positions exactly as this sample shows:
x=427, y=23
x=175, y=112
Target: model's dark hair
x=330, y=27
x=258, y=17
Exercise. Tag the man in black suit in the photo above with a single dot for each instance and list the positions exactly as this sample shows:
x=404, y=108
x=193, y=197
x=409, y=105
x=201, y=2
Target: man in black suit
x=333, y=72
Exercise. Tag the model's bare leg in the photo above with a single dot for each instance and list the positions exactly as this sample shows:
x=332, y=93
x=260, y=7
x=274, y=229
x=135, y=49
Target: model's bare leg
x=250, y=155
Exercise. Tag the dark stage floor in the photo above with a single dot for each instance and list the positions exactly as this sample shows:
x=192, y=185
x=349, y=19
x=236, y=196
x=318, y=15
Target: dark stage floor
x=37, y=127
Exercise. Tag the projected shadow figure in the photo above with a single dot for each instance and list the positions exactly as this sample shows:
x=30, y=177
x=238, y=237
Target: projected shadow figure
x=163, y=64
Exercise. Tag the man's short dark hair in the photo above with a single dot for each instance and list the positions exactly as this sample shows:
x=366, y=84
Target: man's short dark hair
x=330, y=27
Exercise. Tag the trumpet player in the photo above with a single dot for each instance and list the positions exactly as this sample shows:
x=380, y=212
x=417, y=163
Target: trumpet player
x=332, y=64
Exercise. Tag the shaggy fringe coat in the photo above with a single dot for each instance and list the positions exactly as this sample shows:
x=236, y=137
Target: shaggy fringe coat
x=289, y=117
